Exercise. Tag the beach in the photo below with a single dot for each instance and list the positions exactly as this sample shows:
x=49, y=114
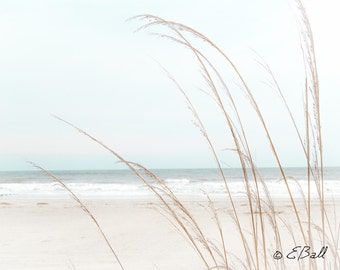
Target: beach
x=101, y=169
x=57, y=234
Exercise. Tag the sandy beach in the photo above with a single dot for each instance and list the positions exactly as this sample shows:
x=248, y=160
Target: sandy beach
x=207, y=141
x=56, y=234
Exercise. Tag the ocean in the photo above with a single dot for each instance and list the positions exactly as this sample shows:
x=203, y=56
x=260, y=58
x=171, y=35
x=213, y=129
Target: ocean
x=189, y=182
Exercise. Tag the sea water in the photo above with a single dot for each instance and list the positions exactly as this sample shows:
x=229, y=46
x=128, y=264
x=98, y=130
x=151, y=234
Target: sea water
x=112, y=184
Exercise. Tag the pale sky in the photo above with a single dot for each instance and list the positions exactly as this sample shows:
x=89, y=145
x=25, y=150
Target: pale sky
x=82, y=61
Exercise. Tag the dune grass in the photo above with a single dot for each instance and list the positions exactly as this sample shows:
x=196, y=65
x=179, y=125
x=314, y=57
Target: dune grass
x=83, y=207
x=266, y=227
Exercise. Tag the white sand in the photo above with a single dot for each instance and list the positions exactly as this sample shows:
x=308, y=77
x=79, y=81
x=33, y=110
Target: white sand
x=56, y=234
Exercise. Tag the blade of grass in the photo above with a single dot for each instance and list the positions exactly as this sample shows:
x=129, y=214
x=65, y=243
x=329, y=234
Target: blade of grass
x=83, y=207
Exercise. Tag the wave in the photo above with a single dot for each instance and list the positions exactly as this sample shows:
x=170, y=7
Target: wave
x=180, y=186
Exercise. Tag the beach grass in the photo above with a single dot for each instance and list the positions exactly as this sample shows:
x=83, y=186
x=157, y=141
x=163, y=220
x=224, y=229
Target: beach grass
x=266, y=233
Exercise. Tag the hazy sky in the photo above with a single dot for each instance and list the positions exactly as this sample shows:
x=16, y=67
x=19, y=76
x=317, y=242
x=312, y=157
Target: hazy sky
x=82, y=61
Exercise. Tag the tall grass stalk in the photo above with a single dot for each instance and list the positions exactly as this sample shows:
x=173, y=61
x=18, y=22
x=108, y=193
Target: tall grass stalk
x=83, y=207
x=312, y=119
x=264, y=221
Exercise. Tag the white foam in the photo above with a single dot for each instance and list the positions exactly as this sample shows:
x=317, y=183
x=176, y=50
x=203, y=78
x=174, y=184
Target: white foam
x=178, y=186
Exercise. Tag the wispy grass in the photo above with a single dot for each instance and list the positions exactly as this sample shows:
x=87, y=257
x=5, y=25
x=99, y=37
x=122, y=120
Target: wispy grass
x=267, y=228
x=83, y=207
